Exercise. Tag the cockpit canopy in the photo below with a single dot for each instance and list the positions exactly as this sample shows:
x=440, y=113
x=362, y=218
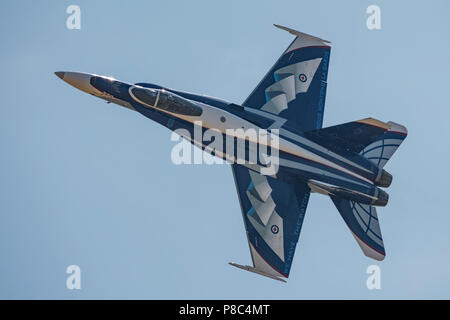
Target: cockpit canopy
x=146, y=96
x=165, y=100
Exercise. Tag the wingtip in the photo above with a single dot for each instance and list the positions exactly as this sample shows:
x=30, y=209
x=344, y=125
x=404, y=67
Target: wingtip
x=396, y=127
x=375, y=122
x=299, y=34
x=255, y=270
x=382, y=257
x=370, y=251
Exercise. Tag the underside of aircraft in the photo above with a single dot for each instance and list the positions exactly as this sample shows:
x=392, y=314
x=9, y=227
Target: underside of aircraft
x=344, y=162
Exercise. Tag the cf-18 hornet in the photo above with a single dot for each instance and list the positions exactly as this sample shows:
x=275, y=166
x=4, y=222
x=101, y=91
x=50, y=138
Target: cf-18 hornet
x=278, y=151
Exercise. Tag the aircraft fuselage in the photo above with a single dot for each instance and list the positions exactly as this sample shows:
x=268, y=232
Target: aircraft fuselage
x=236, y=134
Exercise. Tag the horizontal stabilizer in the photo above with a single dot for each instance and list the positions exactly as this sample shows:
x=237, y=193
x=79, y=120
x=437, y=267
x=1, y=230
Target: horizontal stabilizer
x=362, y=220
x=254, y=270
x=374, y=139
x=382, y=149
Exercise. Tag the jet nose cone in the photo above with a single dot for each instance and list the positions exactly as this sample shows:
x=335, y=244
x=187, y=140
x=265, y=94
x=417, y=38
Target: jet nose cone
x=60, y=74
x=79, y=80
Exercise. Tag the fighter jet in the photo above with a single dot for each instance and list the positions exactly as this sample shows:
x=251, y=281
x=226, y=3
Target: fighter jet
x=295, y=155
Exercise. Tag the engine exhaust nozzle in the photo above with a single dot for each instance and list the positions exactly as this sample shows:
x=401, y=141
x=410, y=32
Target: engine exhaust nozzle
x=384, y=179
x=382, y=198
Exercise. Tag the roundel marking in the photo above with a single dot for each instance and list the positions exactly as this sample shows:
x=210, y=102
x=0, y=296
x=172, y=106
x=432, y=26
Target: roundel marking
x=274, y=229
x=302, y=77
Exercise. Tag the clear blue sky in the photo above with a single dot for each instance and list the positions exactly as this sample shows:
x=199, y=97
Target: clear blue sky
x=88, y=183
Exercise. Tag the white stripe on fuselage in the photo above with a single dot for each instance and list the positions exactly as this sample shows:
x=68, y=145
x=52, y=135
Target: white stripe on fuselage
x=305, y=167
x=210, y=119
x=293, y=136
x=278, y=122
x=323, y=184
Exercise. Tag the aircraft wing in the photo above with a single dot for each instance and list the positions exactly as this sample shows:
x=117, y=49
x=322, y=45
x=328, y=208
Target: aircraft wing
x=295, y=87
x=273, y=213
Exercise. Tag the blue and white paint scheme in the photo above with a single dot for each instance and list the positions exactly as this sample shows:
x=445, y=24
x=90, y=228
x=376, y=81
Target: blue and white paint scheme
x=344, y=162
